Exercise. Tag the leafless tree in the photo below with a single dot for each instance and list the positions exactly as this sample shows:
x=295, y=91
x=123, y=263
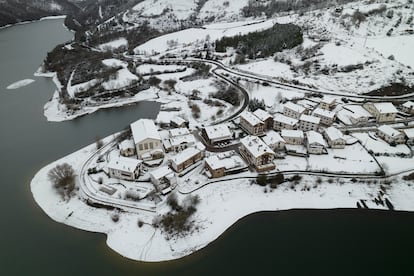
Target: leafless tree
x=63, y=178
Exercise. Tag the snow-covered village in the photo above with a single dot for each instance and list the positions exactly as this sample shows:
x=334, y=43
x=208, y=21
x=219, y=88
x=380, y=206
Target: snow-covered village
x=324, y=121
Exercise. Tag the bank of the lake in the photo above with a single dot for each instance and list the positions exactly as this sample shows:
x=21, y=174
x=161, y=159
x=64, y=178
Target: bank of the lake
x=303, y=242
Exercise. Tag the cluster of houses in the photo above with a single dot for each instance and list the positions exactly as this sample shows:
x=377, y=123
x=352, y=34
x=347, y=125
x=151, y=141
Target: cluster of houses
x=297, y=130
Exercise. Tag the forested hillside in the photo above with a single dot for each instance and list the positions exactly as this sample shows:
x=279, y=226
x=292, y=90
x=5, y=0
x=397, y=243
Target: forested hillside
x=264, y=43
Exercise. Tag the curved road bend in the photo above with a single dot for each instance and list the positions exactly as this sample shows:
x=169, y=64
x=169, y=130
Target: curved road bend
x=301, y=88
x=92, y=194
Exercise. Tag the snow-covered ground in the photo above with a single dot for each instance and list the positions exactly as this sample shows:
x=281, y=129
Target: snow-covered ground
x=351, y=159
x=222, y=204
x=55, y=111
x=193, y=36
x=20, y=84
x=123, y=78
x=378, y=145
x=401, y=47
x=155, y=68
x=181, y=8
x=333, y=43
x=115, y=44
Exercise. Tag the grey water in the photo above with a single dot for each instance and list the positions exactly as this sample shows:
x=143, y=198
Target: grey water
x=299, y=242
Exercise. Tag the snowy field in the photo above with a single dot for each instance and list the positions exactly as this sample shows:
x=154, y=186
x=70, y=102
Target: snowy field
x=180, y=8
x=193, y=36
x=380, y=146
x=351, y=159
x=154, y=68
x=222, y=204
x=401, y=47
x=115, y=44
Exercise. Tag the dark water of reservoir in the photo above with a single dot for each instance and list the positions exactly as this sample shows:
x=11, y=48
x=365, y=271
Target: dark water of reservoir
x=334, y=242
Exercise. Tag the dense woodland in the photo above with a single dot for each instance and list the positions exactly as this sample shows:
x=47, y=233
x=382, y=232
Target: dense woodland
x=15, y=11
x=264, y=43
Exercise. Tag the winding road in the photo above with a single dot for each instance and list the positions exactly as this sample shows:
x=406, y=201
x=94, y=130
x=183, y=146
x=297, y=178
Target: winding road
x=94, y=195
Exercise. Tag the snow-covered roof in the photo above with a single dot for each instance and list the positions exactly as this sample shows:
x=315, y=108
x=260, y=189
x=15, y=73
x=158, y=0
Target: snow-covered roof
x=295, y=107
x=292, y=133
x=387, y=130
x=273, y=137
x=385, y=108
x=185, y=155
x=262, y=115
x=309, y=118
x=200, y=146
x=251, y=118
x=333, y=133
x=184, y=139
x=328, y=100
x=217, y=162
x=218, y=131
x=409, y=132
x=357, y=111
x=285, y=119
x=144, y=129
x=314, y=137
x=179, y=131
x=178, y=120
x=161, y=172
x=255, y=146
x=124, y=164
x=127, y=144
x=324, y=113
x=408, y=104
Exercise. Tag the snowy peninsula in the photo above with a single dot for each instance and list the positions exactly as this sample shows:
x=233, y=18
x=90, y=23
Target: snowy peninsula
x=300, y=110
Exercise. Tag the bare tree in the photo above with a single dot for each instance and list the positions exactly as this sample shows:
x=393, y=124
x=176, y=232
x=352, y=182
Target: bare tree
x=63, y=179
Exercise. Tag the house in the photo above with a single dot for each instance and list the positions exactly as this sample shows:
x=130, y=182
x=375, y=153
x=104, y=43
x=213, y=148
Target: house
x=335, y=138
x=327, y=117
x=147, y=140
x=257, y=153
x=327, y=103
x=408, y=107
x=179, y=139
x=293, y=110
x=353, y=115
x=124, y=168
x=307, y=122
x=359, y=115
x=292, y=137
x=223, y=164
x=163, y=177
x=391, y=135
x=185, y=159
x=274, y=140
x=265, y=117
x=252, y=124
x=409, y=135
x=281, y=121
x=315, y=143
x=383, y=112
x=178, y=122
x=296, y=150
x=127, y=148
x=217, y=134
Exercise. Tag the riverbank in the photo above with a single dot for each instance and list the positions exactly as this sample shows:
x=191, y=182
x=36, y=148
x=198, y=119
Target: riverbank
x=32, y=21
x=222, y=205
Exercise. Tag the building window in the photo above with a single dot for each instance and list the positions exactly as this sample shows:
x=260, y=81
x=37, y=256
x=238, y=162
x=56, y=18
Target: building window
x=151, y=145
x=141, y=147
x=146, y=146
